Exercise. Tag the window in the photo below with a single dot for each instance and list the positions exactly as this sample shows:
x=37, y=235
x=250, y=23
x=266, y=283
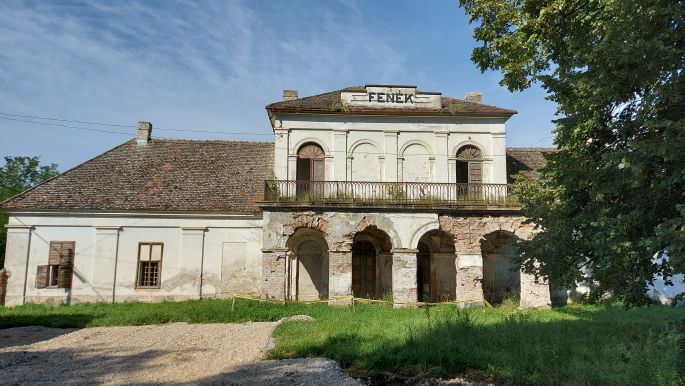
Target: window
x=149, y=265
x=469, y=165
x=59, y=271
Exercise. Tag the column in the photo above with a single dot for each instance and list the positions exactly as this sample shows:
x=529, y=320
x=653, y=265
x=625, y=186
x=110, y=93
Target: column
x=404, y=268
x=273, y=273
x=339, y=274
x=104, y=269
x=470, y=276
x=441, y=170
x=281, y=154
x=339, y=155
x=534, y=292
x=191, y=265
x=16, y=263
x=390, y=143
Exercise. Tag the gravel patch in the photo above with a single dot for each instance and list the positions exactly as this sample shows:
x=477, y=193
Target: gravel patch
x=177, y=353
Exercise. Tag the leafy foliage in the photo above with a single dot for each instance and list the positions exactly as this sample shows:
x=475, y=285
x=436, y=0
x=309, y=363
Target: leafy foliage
x=17, y=175
x=613, y=196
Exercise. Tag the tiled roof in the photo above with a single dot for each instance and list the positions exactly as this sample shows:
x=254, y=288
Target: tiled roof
x=330, y=103
x=164, y=175
x=526, y=161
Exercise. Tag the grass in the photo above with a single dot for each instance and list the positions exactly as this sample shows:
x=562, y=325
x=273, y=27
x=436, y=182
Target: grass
x=574, y=345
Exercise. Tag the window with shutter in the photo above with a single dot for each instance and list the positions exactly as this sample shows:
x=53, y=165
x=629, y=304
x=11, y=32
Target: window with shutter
x=149, y=265
x=60, y=269
x=469, y=165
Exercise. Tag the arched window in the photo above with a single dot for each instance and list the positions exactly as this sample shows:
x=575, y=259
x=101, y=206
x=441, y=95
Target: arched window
x=310, y=163
x=469, y=165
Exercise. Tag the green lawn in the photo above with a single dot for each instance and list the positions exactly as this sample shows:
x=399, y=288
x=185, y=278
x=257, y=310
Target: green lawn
x=575, y=345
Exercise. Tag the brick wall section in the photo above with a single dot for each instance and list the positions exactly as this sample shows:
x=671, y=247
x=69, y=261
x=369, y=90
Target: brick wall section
x=467, y=233
x=340, y=273
x=273, y=274
x=469, y=284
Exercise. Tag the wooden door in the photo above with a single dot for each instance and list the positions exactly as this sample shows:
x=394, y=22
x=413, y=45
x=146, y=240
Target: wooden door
x=423, y=274
x=363, y=270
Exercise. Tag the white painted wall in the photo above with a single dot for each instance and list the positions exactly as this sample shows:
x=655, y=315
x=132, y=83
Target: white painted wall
x=390, y=148
x=225, y=248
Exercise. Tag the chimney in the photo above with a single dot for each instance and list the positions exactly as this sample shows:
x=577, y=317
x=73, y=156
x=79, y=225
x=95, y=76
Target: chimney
x=289, y=95
x=474, y=97
x=144, y=133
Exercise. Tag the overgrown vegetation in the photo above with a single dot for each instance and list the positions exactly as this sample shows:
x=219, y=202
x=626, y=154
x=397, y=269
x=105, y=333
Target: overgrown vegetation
x=574, y=345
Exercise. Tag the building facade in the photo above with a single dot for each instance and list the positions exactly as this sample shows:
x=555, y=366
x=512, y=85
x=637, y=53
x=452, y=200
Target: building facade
x=380, y=191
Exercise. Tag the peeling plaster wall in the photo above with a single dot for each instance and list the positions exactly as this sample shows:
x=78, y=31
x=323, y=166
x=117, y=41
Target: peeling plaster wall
x=106, y=255
x=339, y=230
x=404, y=231
x=468, y=233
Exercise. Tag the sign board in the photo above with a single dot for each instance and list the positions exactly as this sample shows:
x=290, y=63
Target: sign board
x=389, y=96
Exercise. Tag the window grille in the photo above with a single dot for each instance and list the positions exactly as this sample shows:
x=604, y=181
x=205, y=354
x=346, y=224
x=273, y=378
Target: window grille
x=149, y=265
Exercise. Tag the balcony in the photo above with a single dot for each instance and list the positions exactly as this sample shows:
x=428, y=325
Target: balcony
x=417, y=195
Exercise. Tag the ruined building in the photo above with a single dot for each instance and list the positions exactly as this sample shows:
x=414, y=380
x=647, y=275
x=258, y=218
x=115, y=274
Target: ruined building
x=381, y=191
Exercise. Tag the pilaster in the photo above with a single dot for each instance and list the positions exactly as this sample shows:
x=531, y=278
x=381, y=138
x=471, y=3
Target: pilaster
x=281, y=137
x=441, y=170
x=339, y=156
x=16, y=262
x=104, y=266
x=390, y=143
x=192, y=259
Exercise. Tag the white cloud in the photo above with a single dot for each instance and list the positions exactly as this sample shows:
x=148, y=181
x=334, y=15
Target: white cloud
x=211, y=65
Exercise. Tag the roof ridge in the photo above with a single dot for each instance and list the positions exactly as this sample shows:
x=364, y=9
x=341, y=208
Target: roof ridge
x=156, y=139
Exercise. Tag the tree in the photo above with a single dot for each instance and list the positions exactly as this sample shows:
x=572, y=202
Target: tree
x=17, y=175
x=613, y=196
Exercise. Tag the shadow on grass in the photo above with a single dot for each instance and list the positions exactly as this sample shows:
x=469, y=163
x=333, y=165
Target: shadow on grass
x=607, y=347
x=48, y=320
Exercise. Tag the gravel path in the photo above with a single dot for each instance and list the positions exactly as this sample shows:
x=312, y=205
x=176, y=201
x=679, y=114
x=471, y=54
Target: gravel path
x=178, y=353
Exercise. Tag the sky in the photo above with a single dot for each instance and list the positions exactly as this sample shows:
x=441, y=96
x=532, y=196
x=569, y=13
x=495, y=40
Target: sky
x=210, y=67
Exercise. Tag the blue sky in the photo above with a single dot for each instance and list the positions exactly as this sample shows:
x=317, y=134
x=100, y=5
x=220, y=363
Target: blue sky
x=214, y=65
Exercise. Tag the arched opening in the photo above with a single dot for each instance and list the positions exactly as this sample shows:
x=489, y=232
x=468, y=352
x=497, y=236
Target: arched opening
x=307, y=266
x=436, y=270
x=371, y=264
x=310, y=170
x=501, y=268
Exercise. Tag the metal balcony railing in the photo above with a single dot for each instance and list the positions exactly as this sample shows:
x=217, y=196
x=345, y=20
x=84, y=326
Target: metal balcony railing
x=368, y=193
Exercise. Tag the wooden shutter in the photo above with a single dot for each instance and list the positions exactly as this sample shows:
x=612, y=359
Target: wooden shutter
x=42, y=276
x=67, y=254
x=66, y=265
x=475, y=172
x=55, y=253
x=64, y=276
x=318, y=170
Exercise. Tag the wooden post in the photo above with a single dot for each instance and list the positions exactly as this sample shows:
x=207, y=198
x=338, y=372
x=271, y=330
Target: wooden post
x=233, y=303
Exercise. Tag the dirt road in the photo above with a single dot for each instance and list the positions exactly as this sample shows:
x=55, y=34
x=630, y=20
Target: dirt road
x=178, y=353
